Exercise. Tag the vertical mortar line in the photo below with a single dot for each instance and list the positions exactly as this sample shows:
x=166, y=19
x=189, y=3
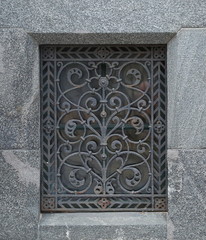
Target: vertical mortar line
x=152, y=129
x=55, y=129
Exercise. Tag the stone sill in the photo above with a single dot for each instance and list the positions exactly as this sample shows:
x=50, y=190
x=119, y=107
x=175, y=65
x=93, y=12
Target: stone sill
x=106, y=218
x=103, y=226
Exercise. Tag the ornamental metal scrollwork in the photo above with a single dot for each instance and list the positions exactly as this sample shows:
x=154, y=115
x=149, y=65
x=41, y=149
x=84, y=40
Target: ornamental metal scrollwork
x=101, y=122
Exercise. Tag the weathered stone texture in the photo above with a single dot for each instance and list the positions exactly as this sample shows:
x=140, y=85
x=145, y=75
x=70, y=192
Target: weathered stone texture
x=187, y=89
x=104, y=226
x=187, y=205
x=95, y=16
x=19, y=194
x=19, y=95
x=26, y=24
x=102, y=38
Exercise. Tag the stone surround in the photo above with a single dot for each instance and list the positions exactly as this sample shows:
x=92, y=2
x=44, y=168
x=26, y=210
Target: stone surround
x=24, y=26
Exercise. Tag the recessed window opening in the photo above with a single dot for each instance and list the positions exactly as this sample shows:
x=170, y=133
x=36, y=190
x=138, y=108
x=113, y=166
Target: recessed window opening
x=103, y=118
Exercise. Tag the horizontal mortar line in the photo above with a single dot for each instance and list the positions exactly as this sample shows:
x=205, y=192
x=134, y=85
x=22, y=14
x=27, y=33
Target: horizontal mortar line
x=191, y=28
x=186, y=148
x=20, y=149
x=105, y=33
x=1, y=27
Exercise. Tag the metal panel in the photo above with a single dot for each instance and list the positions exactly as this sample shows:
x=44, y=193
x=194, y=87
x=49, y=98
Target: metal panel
x=103, y=128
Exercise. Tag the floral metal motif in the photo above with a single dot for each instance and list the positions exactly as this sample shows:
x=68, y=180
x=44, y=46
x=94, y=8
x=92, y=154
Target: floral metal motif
x=104, y=123
x=99, y=143
x=48, y=203
x=159, y=127
x=160, y=203
x=104, y=203
x=159, y=52
x=48, y=53
x=48, y=127
x=103, y=52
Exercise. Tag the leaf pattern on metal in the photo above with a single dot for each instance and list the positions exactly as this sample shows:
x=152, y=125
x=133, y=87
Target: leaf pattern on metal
x=103, y=128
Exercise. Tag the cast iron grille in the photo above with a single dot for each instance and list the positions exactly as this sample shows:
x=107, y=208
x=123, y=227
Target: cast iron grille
x=103, y=128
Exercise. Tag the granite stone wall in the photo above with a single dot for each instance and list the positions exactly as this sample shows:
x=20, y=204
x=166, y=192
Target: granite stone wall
x=24, y=25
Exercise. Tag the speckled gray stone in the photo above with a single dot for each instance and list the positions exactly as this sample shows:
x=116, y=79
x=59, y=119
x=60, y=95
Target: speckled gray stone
x=104, y=226
x=25, y=25
x=102, y=38
x=19, y=194
x=19, y=95
x=97, y=16
x=187, y=89
x=187, y=195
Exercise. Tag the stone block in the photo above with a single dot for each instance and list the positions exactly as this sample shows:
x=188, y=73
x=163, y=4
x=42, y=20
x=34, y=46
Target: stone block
x=103, y=16
x=186, y=89
x=19, y=95
x=19, y=194
x=103, y=226
x=103, y=38
x=186, y=195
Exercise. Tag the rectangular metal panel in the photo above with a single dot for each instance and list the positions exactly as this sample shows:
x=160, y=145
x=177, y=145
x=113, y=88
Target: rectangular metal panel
x=103, y=123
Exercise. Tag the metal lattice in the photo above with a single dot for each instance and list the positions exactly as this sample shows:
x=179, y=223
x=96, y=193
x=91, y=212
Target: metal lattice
x=103, y=128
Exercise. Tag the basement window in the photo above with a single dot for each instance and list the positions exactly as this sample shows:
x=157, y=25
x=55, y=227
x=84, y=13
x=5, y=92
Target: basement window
x=103, y=118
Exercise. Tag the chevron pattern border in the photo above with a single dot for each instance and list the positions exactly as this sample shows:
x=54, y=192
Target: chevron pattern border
x=54, y=197
x=48, y=125
x=159, y=118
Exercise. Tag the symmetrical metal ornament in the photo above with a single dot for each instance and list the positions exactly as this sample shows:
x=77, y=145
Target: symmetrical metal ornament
x=103, y=128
